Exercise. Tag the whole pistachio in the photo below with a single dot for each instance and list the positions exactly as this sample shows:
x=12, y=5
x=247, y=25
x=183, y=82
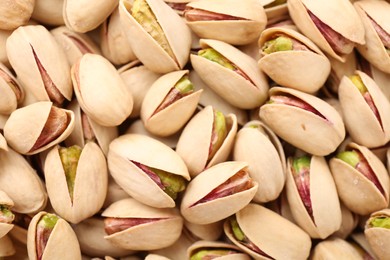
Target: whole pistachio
x=48, y=12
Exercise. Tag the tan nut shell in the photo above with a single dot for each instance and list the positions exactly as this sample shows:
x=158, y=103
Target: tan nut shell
x=194, y=142
x=5, y=200
x=246, y=29
x=378, y=238
x=15, y=13
x=358, y=193
x=6, y=246
x=276, y=13
x=55, y=247
x=273, y=234
x=231, y=86
x=3, y=53
x=180, y=111
x=220, y=208
x=335, y=248
x=211, y=231
x=304, y=129
x=48, y=12
x=209, y=245
x=148, y=236
x=349, y=222
x=356, y=111
x=25, y=125
x=134, y=181
x=156, y=59
x=306, y=71
x=8, y=98
x=98, y=86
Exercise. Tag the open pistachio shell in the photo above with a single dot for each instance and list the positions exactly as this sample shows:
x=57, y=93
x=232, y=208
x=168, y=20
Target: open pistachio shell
x=194, y=142
x=274, y=235
x=303, y=66
x=148, y=228
x=360, y=194
x=335, y=248
x=205, y=199
x=129, y=149
x=161, y=93
x=6, y=247
x=337, y=18
x=97, y=86
x=44, y=69
x=12, y=93
x=15, y=13
x=370, y=107
x=58, y=232
x=377, y=232
x=6, y=217
x=223, y=251
x=303, y=128
x=243, y=92
x=37, y=127
x=171, y=26
x=48, y=12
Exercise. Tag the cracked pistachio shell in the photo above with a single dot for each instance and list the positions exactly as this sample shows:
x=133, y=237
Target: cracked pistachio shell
x=172, y=25
x=249, y=20
x=323, y=198
x=374, y=50
x=149, y=152
x=6, y=247
x=219, y=208
x=55, y=247
x=378, y=237
x=83, y=15
x=180, y=110
x=216, y=245
x=44, y=69
x=227, y=83
x=6, y=201
x=211, y=231
x=304, y=70
x=90, y=183
x=194, y=142
x=163, y=231
x=48, y=12
x=273, y=234
x=302, y=128
x=355, y=190
x=15, y=13
x=90, y=234
x=335, y=248
x=339, y=15
x=357, y=110
x=26, y=126
x=12, y=93
x=256, y=144
x=21, y=183
x=97, y=86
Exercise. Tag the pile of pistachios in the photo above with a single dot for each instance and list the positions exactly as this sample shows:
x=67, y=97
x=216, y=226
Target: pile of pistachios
x=199, y=130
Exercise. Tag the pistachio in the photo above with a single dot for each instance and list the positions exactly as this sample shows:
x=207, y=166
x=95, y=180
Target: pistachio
x=202, y=250
x=70, y=158
x=15, y=13
x=335, y=248
x=13, y=94
x=6, y=247
x=44, y=228
x=6, y=215
x=377, y=233
x=48, y=12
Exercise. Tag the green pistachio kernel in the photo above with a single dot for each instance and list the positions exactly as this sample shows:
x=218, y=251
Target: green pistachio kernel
x=70, y=158
x=6, y=215
x=350, y=157
x=208, y=253
x=48, y=221
x=184, y=85
x=301, y=164
x=357, y=81
x=173, y=183
x=237, y=232
x=219, y=133
x=215, y=56
x=380, y=222
x=280, y=43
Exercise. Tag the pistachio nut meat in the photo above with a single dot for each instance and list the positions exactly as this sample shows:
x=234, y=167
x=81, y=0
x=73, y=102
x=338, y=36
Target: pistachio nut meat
x=203, y=250
x=303, y=120
x=40, y=63
x=377, y=232
x=361, y=178
x=132, y=225
x=6, y=215
x=171, y=96
x=12, y=92
x=232, y=74
x=147, y=169
x=48, y=12
x=335, y=248
x=37, y=127
x=334, y=26
x=261, y=233
x=233, y=22
x=218, y=192
x=153, y=26
x=292, y=60
x=15, y=13
x=363, y=101
x=98, y=85
x=207, y=139
x=46, y=235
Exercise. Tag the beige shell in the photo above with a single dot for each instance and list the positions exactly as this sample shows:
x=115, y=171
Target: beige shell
x=98, y=86
x=7, y=201
x=150, y=152
x=338, y=15
x=114, y=192
x=374, y=50
x=216, y=209
x=83, y=16
x=276, y=13
x=194, y=142
x=211, y=231
x=181, y=110
x=250, y=22
x=25, y=125
x=302, y=128
x=49, y=12
x=378, y=238
x=36, y=45
x=3, y=143
x=339, y=70
x=149, y=236
x=356, y=111
x=357, y=192
x=335, y=248
x=6, y=247
x=216, y=245
x=381, y=79
x=3, y=53
x=273, y=234
x=8, y=98
x=349, y=222
x=360, y=239
x=155, y=257
x=306, y=71
x=178, y=250
x=263, y=152
x=156, y=59
x=15, y=13
x=55, y=247
x=231, y=86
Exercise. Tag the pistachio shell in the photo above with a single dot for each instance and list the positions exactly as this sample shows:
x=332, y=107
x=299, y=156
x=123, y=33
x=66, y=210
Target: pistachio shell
x=12, y=93
x=231, y=86
x=378, y=237
x=210, y=231
x=6, y=247
x=155, y=257
x=335, y=248
x=348, y=223
x=3, y=53
x=276, y=13
x=178, y=250
x=361, y=240
x=6, y=201
x=48, y=12
x=114, y=193
x=210, y=245
x=339, y=70
x=15, y=13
